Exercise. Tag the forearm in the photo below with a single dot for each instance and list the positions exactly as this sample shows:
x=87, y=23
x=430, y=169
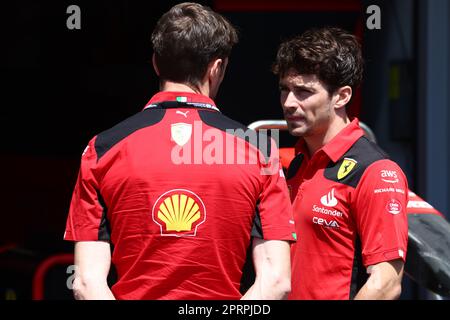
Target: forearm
x=91, y=290
x=271, y=259
x=275, y=288
x=253, y=293
x=368, y=292
x=92, y=261
x=381, y=286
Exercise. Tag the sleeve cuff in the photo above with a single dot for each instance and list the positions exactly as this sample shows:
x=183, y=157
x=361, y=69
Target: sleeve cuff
x=383, y=256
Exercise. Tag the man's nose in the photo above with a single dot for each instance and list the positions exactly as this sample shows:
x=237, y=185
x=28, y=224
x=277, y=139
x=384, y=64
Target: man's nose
x=290, y=103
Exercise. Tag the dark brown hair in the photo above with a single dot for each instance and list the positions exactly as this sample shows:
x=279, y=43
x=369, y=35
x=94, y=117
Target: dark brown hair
x=332, y=54
x=187, y=38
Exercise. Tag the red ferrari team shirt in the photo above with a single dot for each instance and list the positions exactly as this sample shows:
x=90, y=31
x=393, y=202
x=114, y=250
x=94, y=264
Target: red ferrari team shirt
x=349, y=205
x=179, y=189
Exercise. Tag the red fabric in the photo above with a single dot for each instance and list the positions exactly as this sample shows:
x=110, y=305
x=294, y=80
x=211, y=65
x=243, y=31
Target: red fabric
x=329, y=215
x=286, y=156
x=416, y=205
x=380, y=212
x=139, y=181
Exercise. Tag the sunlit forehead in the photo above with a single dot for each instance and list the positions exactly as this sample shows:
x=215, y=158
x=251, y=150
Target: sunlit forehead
x=293, y=80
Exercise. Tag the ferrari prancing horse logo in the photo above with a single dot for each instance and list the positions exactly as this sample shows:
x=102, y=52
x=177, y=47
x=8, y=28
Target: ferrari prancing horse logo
x=346, y=167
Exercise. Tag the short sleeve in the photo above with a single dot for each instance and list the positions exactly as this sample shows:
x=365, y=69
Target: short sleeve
x=86, y=220
x=380, y=213
x=274, y=206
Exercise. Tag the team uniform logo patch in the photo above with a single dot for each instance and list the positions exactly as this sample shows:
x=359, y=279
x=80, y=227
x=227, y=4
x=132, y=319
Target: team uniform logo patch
x=346, y=167
x=181, y=133
x=394, y=206
x=179, y=213
x=329, y=199
x=389, y=176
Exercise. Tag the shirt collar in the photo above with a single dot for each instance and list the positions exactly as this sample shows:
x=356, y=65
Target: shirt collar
x=339, y=145
x=186, y=97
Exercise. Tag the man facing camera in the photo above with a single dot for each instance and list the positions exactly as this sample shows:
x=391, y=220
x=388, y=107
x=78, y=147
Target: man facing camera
x=349, y=199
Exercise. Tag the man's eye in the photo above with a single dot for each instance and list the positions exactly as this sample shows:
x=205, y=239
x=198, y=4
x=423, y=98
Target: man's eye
x=302, y=91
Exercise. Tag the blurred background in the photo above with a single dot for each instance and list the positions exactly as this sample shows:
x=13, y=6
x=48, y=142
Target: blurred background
x=60, y=87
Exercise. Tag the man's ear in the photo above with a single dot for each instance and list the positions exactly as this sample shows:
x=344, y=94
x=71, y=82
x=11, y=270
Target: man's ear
x=215, y=75
x=342, y=96
x=155, y=67
x=217, y=68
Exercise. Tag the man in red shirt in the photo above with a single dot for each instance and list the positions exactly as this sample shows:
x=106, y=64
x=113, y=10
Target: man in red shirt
x=349, y=199
x=179, y=190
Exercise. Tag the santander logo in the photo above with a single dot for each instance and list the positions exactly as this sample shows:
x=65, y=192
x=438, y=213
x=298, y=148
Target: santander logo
x=329, y=200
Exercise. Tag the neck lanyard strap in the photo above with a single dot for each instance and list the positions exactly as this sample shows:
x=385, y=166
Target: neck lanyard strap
x=177, y=104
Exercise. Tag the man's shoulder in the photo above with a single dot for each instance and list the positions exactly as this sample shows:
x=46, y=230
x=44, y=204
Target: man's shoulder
x=105, y=140
x=259, y=139
x=220, y=121
x=350, y=168
x=366, y=151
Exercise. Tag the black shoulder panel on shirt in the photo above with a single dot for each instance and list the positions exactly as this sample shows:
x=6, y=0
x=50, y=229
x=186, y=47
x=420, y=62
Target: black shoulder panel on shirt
x=107, y=139
x=219, y=121
x=295, y=164
x=364, y=152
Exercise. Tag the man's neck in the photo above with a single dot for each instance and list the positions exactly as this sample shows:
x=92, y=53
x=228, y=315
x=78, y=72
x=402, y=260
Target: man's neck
x=181, y=87
x=317, y=141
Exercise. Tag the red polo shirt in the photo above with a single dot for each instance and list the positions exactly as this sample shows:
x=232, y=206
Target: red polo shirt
x=349, y=203
x=176, y=191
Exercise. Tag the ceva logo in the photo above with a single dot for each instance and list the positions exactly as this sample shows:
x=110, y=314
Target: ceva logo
x=329, y=200
x=325, y=222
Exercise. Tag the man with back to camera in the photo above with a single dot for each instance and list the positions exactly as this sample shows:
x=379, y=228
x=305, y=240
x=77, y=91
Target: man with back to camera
x=180, y=231
x=349, y=200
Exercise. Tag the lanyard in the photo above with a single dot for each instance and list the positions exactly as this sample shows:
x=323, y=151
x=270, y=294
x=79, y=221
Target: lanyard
x=177, y=104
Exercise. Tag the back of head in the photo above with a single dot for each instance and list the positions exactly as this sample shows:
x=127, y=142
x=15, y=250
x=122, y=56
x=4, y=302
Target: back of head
x=187, y=38
x=332, y=54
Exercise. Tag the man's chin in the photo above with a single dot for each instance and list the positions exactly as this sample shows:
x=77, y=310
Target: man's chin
x=296, y=132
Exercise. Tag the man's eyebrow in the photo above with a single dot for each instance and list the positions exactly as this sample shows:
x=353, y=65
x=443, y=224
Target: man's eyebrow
x=310, y=87
x=303, y=86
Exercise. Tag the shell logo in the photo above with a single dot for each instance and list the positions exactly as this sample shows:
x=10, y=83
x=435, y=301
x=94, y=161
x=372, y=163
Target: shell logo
x=179, y=212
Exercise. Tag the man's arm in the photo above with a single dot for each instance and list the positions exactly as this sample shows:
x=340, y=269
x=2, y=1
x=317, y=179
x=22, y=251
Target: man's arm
x=92, y=263
x=271, y=259
x=384, y=282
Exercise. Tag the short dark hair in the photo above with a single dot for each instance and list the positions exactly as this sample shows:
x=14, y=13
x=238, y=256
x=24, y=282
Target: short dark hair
x=332, y=54
x=187, y=38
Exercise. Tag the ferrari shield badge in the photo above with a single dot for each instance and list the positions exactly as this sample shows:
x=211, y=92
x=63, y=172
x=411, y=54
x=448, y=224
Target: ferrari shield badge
x=181, y=133
x=346, y=167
